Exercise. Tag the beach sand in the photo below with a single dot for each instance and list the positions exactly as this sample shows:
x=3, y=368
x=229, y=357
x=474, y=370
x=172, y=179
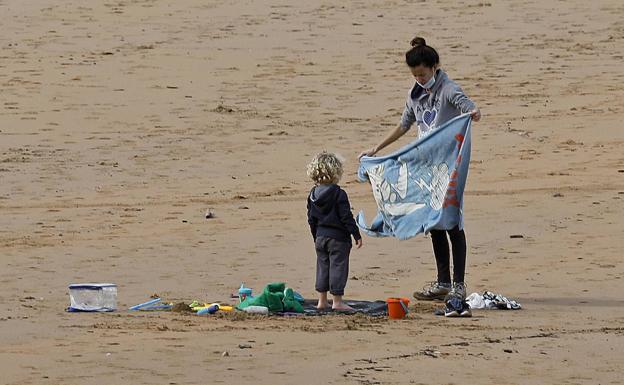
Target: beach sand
x=123, y=122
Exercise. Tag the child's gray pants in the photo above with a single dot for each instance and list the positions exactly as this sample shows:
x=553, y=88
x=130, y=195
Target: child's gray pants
x=332, y=265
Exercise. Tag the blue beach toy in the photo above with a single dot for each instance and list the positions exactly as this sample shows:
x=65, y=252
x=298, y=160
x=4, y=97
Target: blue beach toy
x=244, y=292
x=145, y=304
x=208, y=310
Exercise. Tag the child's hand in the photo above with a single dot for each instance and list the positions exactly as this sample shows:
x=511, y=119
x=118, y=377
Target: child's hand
x=358, y=243
x=475, y=114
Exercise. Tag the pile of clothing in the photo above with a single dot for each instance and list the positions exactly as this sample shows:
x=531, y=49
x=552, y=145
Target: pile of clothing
x=489, y=300
x=456, y=307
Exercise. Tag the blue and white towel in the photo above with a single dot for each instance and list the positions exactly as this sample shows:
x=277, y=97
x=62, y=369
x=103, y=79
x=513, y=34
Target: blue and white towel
x=420, y=187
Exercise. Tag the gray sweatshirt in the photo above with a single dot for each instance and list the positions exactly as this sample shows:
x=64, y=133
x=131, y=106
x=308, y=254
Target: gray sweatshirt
x=430, y=110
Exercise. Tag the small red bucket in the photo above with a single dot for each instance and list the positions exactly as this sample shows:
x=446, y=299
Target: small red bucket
x=397, y=307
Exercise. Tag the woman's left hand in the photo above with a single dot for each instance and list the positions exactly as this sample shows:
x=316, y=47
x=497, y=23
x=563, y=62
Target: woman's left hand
x=475, y=114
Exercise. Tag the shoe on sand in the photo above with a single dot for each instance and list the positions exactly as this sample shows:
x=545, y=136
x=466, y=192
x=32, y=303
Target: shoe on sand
x=457, y=307
x=433, y=291
x=458, y=291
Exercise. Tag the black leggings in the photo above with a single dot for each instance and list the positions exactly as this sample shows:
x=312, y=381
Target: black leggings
x=441, y=252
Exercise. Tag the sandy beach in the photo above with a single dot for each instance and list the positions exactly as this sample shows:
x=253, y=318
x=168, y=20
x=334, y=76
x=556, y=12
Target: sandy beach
x=122, y=122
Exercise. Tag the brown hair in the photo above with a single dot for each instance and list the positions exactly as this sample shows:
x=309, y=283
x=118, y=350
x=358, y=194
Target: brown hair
x=421, y=53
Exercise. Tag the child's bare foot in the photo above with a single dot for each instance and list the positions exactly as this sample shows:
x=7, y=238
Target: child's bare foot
x=341, y=306
x=322, y=305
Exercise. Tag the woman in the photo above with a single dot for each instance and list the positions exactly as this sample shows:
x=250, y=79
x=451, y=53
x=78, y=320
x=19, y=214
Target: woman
x=434, y=100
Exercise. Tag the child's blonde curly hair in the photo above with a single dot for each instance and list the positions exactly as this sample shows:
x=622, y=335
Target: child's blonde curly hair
x=325, y=168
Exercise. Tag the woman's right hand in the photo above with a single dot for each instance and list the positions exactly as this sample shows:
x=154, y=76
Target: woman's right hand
x=392, y=136
x=370, y=152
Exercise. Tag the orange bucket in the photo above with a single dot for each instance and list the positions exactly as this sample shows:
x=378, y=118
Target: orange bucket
x=397, y=307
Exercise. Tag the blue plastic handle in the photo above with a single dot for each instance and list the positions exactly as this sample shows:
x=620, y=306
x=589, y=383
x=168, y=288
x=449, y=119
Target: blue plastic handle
x=404, y=306
x=150, y=302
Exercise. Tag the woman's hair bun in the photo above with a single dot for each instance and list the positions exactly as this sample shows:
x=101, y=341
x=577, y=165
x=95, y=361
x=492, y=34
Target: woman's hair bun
x=421, y=54
x=418, y=41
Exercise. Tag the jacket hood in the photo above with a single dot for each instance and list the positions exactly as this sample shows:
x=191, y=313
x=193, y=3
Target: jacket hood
x=324, y=197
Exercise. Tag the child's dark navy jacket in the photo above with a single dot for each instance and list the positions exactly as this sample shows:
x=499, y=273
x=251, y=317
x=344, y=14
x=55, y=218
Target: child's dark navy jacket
x=329, y=214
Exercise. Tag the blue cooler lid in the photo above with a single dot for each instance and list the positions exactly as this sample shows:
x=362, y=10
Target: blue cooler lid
x=91, y=286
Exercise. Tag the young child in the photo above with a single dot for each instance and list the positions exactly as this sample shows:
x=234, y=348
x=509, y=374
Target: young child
x=332, y=225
